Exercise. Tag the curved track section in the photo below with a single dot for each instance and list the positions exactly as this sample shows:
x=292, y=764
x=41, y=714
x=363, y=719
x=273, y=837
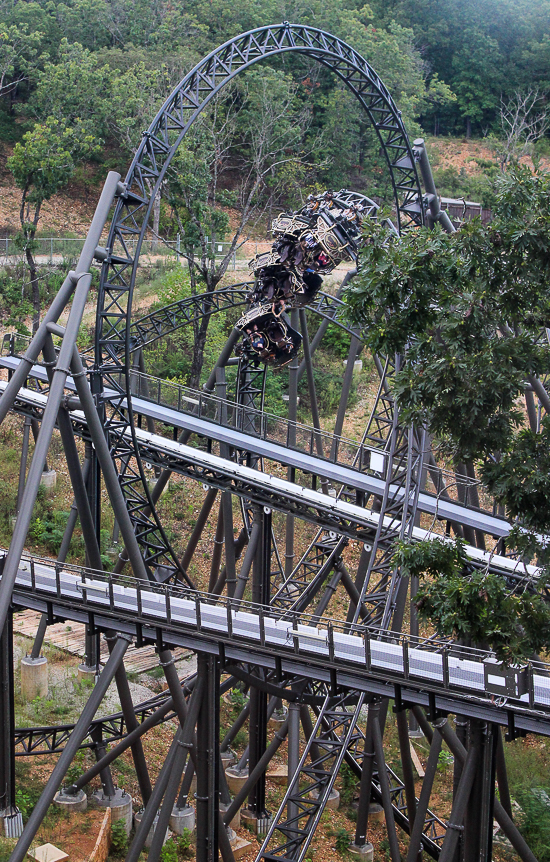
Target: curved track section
x=114, y=340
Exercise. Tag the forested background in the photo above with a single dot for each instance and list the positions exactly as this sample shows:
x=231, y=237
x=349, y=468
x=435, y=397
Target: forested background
x=80, y=81
x=107, y=65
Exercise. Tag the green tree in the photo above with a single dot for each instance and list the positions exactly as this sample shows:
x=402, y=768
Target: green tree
x=476, y=606
x=73, y=89
x=18, y=55
x=41, y=165
x=480, y=48
x=468, y=312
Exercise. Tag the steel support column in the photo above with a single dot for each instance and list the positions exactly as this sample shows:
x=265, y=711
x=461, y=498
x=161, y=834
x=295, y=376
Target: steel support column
x=258, y=699
x=291, y=441
x=7, y=725
x=132, y=724
x=207, y=765
x=23, y=462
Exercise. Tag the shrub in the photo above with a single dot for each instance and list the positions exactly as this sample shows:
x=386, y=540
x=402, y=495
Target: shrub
x=169, y=852
x=185, y=843
x=349, y=784
x=119, y=839
x=535, y=824
x=343, y=840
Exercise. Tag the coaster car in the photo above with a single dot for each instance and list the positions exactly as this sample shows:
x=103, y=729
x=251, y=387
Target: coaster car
x=268, y=336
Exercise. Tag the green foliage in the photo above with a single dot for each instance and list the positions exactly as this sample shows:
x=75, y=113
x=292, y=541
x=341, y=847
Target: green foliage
x=18, y=54
x=476, y=605
x=237, y=698
x=184, y=843
x=327, y=373
x=535, y=820
x=73, y=89
x=45, y=160
x=119, y=839
x=23, y=802
x=169, y=852
x=276, y=385
x=10, y=131
x=466, y=311
x=350, y=782
x=480, y=49
x=521, y=477
x=6, y=848
x=76, y=768
x=342, y=841
x=8, y=499
x=337, y=340
x=49, y=530
x=467, y=308
x=445, y=760
x=454, y=183
x=172, y=357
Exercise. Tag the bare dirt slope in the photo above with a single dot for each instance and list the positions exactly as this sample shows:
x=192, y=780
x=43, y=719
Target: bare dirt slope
x=72, y=210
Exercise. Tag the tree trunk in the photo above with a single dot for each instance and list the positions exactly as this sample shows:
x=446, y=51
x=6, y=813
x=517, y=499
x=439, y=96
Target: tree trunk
x=35, y=289
x=156, y=222
x=198, y=353
x=468, y=127
x=29, y=233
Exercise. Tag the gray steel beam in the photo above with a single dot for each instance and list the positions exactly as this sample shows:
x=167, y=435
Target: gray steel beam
x=414, y=691
x=49, y=419
x=436, y=214
x=109, y=473
x=132, y=724
x=432, y=504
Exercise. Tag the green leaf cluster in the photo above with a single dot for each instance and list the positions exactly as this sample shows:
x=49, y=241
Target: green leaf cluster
x=476, y=605
x=466, y=310
x=46, y=158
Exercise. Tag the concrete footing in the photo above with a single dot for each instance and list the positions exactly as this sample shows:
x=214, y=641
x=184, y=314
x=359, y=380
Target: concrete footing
x=279, y=775
x=235, y=778
x=333, y=800
x=153, y=481
x=34, y=677
x=11, y=822
x=376, y=813
x=48, y=478
x=357, y=365
x=71, y=802
x=416, y=734
x=182, y=818
x=240, y=847
x=85, y=672
x=365, y=851
x=236, y=822
x=277, y=719
x=120, y=805
x=227, y=759
x=149, y=839
x=259, y=825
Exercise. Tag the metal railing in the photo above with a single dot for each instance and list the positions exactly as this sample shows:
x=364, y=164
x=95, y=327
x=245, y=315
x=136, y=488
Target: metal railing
x=276, y=429
x=257, y=423
x=54, y=249
x=394, y=657
x=360, y=456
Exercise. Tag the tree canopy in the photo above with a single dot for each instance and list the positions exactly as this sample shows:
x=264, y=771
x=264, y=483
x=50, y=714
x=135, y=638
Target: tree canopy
x=468, y=312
